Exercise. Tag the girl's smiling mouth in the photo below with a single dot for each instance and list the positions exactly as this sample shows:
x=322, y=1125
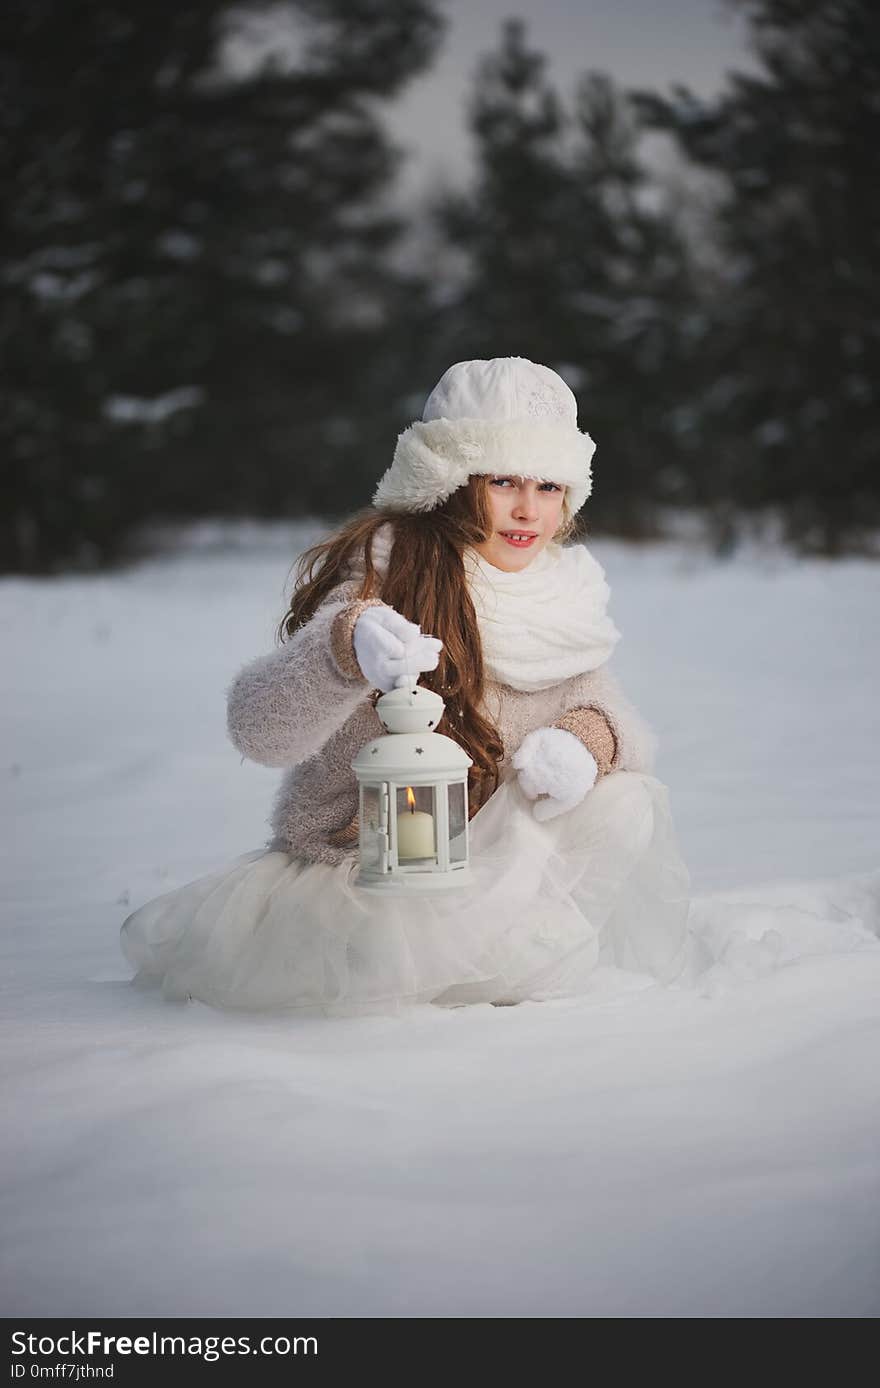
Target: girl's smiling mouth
x=520, y=539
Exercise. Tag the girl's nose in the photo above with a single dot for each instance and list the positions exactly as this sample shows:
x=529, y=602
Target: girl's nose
x=526, y=503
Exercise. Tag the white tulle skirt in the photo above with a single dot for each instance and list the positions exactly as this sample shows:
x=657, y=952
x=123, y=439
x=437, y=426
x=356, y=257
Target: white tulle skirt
x=602, y=884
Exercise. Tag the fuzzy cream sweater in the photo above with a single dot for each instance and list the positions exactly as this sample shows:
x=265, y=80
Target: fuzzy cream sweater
x=307, y=707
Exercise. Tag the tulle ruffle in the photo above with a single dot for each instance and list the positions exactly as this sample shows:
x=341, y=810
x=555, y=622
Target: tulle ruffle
x=549, y=902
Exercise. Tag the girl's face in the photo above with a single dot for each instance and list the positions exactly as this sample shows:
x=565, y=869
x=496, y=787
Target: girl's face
x=520, y=506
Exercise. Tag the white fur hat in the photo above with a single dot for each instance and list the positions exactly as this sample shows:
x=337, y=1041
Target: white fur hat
x=506, y=416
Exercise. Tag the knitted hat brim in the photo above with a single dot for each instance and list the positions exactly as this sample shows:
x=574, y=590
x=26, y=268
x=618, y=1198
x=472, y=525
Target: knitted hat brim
x=433, y=459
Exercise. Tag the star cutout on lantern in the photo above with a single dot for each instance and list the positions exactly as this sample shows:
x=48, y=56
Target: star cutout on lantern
x=373, y=751
x=420, y=750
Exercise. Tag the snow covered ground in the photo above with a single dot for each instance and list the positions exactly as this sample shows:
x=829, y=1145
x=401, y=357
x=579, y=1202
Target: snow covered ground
x=711, y=1149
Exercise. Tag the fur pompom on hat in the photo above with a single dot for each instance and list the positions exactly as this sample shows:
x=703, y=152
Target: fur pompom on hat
x=508, y=416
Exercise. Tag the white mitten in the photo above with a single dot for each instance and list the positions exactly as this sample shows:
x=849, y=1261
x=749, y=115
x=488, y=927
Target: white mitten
x=553, y=762
x=387, y=645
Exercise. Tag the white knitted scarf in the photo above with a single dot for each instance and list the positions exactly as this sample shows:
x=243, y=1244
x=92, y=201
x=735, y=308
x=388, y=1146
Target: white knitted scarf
x=540, y=625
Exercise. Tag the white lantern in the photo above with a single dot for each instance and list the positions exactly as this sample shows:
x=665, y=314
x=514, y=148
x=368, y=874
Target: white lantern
x=413, y=811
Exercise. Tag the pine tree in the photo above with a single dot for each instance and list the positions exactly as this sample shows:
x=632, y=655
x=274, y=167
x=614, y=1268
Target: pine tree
x=195, y=261
x=567, y=263
x=790, y=350
x=509, y=225
x=628, y=296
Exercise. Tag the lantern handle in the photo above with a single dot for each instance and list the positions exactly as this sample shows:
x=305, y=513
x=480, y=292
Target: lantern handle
x=406, y=682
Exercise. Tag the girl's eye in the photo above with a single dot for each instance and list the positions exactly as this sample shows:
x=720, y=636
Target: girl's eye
x=554, y=485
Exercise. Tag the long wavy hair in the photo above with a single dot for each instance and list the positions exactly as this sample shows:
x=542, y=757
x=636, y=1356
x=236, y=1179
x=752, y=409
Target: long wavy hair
x=425, y=582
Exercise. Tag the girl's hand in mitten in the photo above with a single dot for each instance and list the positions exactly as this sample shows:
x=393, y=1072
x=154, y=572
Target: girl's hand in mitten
x=553, y=762
x=387, y=646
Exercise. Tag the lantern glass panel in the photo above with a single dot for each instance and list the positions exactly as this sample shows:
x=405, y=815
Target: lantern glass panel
x=457, y=823
x=416, y=826
x=371, y=834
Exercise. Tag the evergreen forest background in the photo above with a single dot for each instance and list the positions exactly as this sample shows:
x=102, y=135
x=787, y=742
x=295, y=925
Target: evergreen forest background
x=212, y=306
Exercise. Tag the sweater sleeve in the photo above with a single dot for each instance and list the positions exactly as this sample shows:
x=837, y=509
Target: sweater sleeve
x=597, y=711
x=284, y=706
x=591, y=727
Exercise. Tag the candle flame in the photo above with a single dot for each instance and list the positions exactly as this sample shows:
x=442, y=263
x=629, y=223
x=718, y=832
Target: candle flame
x=411, y=799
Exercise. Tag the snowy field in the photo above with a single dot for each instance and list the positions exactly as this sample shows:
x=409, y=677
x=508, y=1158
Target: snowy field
x=712, y=1149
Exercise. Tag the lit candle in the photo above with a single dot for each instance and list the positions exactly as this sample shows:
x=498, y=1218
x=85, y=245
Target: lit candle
x=415, y=831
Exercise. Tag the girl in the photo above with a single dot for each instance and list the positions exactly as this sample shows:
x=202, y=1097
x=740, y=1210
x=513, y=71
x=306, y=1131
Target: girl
x=457, y=574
